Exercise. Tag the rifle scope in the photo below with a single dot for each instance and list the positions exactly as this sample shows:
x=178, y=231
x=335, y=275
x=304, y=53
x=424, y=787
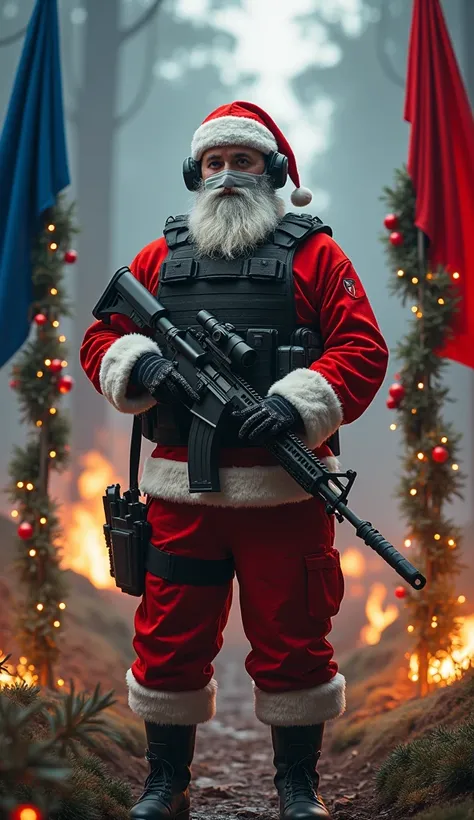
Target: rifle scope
x=231, y=344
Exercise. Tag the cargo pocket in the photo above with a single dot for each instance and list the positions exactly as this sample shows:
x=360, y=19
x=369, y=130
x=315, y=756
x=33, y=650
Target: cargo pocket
x=325, y=583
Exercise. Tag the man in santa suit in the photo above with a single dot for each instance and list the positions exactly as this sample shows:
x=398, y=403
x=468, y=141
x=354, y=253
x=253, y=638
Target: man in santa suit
x=271, y=276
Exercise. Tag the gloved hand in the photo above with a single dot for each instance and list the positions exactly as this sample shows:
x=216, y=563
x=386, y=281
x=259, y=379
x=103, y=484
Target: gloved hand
x=160, y=377
x=272, y=416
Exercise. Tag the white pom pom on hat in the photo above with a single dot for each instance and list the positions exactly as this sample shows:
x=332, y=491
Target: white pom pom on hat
x=243, y=123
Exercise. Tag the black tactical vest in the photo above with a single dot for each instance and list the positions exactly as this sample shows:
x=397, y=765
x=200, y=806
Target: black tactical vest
x=254, y=293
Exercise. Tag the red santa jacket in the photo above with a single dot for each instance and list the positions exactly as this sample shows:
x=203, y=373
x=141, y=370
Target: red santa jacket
x=335, y=390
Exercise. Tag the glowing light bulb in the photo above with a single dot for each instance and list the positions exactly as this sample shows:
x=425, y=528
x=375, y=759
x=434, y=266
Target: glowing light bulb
x=420, y=456
x=51, y=228
x=393, y=426
x=414, y=411
x=53, y=411
x=43, y=520
x=30, y=486
x=32, y=553
x=419, y=314
x=420, y=385
x=20, y=485
x=57, y=624
x=53, y=246
x=54, y=291
x=440, y=301
x=410, y=628
x=456, y=275
x=461, y=599
x=61, y=338
x=39, y=374
x=429, y=275
x=55, y=323
x=413, y=491
x=39, y=423
x=39, y=607
x=407, y=542
x=52, y=454
x=400, y=273
x=414, y=309
x=60, y=682
x=47, y=362
x=415, y=280
x=451, y=542
x=434, y=625
x=455, y=467
x=444, y=440
x=14, y=513
x=64, y=363
x=436, y=536
x=62, y=605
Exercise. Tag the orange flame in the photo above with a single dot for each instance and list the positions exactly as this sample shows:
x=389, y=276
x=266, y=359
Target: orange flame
x=446, y=667
x=353, y=563
x=378, y=618
x=85, y=550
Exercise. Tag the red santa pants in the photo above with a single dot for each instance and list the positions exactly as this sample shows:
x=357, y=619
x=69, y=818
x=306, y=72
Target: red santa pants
x=291, y=585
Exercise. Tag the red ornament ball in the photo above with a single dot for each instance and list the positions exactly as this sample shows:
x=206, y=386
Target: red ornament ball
x=70, y=257
x=392, y=404
x=400, y=592
x=396, y=238
x=65, y=384
x=391, y=221
x=41, y=319
x=14, y=384
x=25, y=530
x=439, y=454
x=397, y=391
x=56, y=366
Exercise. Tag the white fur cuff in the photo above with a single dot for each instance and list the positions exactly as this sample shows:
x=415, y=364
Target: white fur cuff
x=115, y=370
x=232, y=131
x=172, y=708
x=305, y=707
x=315, y=400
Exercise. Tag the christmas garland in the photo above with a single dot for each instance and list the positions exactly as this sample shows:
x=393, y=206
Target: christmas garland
x=431, y=478
x=38, y=378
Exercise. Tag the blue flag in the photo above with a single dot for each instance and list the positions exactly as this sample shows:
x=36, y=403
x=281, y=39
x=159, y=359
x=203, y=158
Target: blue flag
x=33, y=169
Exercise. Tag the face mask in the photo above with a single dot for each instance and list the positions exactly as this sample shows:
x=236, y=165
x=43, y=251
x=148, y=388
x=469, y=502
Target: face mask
x=231, y=179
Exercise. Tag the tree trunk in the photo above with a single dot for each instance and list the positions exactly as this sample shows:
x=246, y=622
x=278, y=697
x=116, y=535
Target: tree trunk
x=95, y=132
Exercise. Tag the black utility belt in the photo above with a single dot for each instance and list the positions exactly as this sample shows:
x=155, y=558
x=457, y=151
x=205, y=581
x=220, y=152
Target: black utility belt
x=180, y=569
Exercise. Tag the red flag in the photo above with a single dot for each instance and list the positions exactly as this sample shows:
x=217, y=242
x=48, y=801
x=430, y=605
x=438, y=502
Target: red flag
x=441, y=162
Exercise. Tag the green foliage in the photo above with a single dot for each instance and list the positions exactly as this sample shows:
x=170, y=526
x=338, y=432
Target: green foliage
x=348, y=736
x=435, y=767
x=45, y=755
x=460, y=811
x=37, y=389
x=433, y=300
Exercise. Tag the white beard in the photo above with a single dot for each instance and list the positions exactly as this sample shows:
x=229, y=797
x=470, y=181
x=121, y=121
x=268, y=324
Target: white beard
x=231, y=225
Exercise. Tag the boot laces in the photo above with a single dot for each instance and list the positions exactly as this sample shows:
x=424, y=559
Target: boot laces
x=160, y=778
x=299, y=781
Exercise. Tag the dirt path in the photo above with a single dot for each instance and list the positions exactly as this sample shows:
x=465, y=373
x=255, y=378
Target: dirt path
x=233, y=771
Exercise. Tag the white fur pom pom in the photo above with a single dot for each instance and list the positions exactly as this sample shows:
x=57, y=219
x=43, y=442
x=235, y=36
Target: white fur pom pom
x=301, y=197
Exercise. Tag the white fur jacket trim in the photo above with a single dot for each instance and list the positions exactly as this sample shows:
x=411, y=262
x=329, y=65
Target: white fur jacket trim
x=315, y=400
x=115, y=370
x=240, y=486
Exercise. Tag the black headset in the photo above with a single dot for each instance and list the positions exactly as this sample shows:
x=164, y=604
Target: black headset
x=276, y=167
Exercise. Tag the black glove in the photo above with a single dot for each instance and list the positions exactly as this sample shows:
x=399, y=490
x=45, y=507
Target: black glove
x=160, y=377
x=263, y=421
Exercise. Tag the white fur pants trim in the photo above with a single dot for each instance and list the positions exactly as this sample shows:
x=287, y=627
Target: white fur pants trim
x=172, y=708
x=305, y=707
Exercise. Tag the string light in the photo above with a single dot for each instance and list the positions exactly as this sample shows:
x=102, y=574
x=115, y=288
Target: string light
x=51, y=227
x=54, y=291
x=40, y=607
x=420, y=385
x=62, y=605
x=53, y=411
x=14, y=513
x=60, y=682
x=55, y=323
x=61, y=338
x=32, y=553
x=39, y=423
x=434, y=625
x=20, y=485
x=451, y=542
x=436, y=536
x=414, y=309
x=43, y=519
x=393, y=426
x=39, y=374
x=30, y=486
x=462, y=599
x=434, y=617
x=52, y=454
x=64, y=363
x=415, y=280
x=31, y=667
x=53, y=246
x=47, y=362
x=410, y=628
x=444, y=440
x=414, y=411
x=429, y=275
x=413, y=491
x=400, y=273
x=456, y=275
x=420, y=456
x=57, y=624
x=455, y=467
x=407, y=542
x=440, y=301
x=419, y=314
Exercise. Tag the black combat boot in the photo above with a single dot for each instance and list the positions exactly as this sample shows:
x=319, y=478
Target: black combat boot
x=297, y=751
x=170, y=753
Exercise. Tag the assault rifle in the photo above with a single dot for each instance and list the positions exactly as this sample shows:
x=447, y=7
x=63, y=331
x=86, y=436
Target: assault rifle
x=211, y=357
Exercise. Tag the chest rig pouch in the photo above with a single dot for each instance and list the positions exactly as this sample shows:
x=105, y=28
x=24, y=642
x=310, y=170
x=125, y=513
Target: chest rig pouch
x=254, y=293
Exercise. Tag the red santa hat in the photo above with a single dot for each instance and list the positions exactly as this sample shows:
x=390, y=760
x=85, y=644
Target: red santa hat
x=243, y=123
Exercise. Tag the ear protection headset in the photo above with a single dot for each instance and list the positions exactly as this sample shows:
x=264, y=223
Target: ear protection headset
x=276, y=167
